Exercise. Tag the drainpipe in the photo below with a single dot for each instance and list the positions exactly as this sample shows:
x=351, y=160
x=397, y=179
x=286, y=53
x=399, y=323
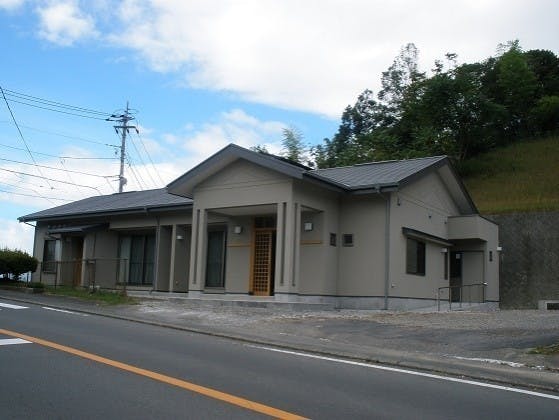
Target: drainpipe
x=386, y=248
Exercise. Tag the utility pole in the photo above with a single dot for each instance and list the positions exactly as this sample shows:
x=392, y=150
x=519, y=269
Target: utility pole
x=123, y=120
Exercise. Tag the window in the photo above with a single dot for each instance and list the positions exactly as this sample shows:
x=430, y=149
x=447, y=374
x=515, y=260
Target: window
x=415, y=257
x=215, y=263
x=490, y=256
x=347, y=239
x=137, y=259
x=445, y=265
x=333, y=239
x=49, y=256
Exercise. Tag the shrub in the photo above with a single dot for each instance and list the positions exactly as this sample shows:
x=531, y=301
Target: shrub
x=16, y=262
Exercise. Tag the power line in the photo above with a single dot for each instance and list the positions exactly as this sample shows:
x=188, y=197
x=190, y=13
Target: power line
x=49, y=179
x=53, y=106
x=148, y=155
x=24, y=188
x=67, y=136
x=59, y=157
x=58, y=110
x=37, y=196
x=57, y=169
x=53, y=103
x=20, y=133
x=142, y=162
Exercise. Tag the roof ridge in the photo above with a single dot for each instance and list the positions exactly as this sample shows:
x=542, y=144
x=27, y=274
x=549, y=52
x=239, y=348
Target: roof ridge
x=379, y=162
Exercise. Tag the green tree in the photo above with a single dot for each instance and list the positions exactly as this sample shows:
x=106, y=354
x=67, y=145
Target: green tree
x=293, y=146
x=259, y=148
x=396, y=82
x=517, y=86
x=16, y=262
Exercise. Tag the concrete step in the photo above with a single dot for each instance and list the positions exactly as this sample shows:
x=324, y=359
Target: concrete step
x=222, y=300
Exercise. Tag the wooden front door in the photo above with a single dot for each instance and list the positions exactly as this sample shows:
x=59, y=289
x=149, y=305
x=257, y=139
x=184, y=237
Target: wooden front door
x=263, y=258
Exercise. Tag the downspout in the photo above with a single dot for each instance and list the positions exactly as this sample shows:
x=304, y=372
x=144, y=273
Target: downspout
x=386, y=248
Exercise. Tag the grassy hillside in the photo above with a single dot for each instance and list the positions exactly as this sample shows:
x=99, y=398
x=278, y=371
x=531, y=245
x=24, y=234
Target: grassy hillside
x=520, y=177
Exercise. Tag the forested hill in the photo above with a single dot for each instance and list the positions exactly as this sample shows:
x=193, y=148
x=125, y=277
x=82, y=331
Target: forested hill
x=459, y=110
x=520, y=177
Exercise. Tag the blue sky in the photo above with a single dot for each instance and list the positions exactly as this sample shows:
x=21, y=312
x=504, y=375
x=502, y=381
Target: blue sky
x=202, y=74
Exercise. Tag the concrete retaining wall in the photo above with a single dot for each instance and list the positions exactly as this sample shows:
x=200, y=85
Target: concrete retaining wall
x=529, y=259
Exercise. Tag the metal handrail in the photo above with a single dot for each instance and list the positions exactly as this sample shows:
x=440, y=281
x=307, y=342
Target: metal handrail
x=469, y=286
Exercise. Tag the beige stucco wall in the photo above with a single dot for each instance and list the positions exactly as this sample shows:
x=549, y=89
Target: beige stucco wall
x=318, y=261
x=424, y=205
x=361, y=267
x=238, y=250
x=181, y=258
x=103, y=246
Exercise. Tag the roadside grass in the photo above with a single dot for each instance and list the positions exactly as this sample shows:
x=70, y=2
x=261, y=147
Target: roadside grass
x=546, y=350
x=521, y=177
x=99, y=296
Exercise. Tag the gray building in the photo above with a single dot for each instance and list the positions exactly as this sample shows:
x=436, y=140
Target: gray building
x=392, y=235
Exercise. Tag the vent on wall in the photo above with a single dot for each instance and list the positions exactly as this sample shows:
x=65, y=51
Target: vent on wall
x=548, y=305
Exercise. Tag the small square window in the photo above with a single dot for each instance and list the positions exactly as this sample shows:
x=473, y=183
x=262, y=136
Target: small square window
x=333, y=239
x=348, y=239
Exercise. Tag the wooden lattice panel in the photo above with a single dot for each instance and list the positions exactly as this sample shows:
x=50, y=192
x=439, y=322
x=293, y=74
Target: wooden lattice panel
x=261, y=270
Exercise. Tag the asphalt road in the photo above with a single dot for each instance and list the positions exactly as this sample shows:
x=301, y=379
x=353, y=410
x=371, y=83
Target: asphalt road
x=153, y=372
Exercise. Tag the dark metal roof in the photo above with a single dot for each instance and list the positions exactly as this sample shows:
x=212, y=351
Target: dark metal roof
x=132, y=201
x=376, y=174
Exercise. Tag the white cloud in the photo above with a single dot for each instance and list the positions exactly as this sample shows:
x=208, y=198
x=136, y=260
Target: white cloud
x=11, y=4
x=235, y=126
x=318, y=55
x=63, y=23
x=15, y=235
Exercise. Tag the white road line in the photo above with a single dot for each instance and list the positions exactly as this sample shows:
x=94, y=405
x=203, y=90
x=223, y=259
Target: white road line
x=10, y=341
x=9, y=306
x=63, y=311
x=409, y=372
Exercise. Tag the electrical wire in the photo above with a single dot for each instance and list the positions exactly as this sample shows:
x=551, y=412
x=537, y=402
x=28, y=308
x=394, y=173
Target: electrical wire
x=142, y=162
x=36, y=196
x=53, y=103
x=148, y=155
x=49, y=179
x=134, y=172
x=24, y=188
x=59, y=111
x=20, y=133
x=57, y=169
x=34, y=101
x=59, y=157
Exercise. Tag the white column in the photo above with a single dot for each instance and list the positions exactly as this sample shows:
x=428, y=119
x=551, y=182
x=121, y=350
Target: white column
x=297, y=248
x=192, y=284
x=280, y=240
x=172, y=259
x=201, y=249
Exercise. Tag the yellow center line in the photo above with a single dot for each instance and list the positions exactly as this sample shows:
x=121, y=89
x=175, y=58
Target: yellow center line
x=208, y=392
